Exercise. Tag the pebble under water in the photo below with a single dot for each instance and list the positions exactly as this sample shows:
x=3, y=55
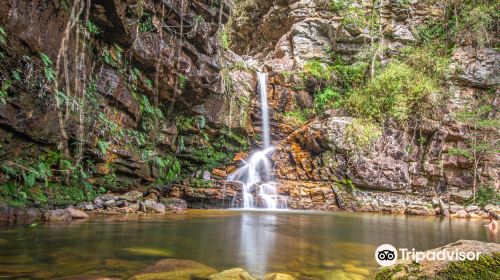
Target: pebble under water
x=307, y=245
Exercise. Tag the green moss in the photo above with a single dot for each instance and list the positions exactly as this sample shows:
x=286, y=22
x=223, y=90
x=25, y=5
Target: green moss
x=487, y=267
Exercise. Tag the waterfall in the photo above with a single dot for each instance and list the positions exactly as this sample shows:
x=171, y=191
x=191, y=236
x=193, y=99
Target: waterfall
x=262, y=87
x=259, y=187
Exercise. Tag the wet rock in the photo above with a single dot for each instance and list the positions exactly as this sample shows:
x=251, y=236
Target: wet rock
x=278, y=276
x=154, y=206
x=420, y=210
x=58, y=215
x=174, y=204
x=86, y=277
x=232, y=274
x=77, y=214
x=485, y=268
x=460, y=214
x=138, y=252
x=18, y=215
x=174, y=269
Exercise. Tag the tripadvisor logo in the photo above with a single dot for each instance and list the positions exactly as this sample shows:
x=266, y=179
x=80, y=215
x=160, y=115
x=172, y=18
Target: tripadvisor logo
x=387, y=255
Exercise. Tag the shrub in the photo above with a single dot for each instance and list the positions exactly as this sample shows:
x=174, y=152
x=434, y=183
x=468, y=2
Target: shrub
x=317, y=69
x=431, y=59
x=467, y=22
x=327, y=98
x=396, y=92
x=486, y=195
x=360, y=134
x=297, y=117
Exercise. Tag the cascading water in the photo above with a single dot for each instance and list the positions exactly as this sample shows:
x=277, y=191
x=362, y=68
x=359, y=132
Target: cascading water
x=256, y=173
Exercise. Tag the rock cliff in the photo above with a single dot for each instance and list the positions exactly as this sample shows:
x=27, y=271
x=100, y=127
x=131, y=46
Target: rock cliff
x=121, y=95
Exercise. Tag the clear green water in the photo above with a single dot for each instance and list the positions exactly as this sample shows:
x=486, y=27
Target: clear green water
x=308, y=245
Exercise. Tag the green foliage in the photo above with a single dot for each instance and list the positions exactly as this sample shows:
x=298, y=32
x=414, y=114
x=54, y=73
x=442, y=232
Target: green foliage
x=340, y=5
x=317, y=69
x=486, y=267
x=350, y=76
x=49, y=73
x=297, y=117
x=182, y=82
x=3, y=36
x=169, y=167
x=467, y=22
x=34, y=182
x=398, y=91
x=460, y=152
x=92, y=29
x=430, y=59
x=485, y=195
x=326, y=99
x=224, y=38
x=146, y=24
x=200, y=183
x=360, y=134
x=16, y=75
x=355, y=18
x=4, y=91
x=103, y=146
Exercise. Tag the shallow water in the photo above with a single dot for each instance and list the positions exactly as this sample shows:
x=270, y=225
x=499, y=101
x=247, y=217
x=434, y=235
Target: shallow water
x=308, y=245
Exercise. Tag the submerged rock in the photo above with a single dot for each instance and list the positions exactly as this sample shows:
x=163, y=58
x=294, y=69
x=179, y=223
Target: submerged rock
x=278, y=276
x=232, y=274
x=175, y=269
x=144, y=252
x=487, y=267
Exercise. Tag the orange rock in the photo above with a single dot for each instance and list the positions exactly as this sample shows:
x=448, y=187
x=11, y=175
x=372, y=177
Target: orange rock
x=239, y=156
x=102, y=169
x=230, y=169
x=218, y=172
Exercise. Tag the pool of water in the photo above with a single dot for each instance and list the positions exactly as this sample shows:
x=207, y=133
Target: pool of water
x=308, y=245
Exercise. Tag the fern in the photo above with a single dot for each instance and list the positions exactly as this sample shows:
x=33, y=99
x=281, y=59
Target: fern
x=3, y=36
x=102, y=146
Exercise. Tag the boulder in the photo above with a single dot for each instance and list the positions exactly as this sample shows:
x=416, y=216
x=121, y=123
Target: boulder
x=153, y=206
x=460, y=214
x=454, y=208
x=77, y=214
x=174, y=269
x=278, y=276
x=110, y=203
x=131, y=196
x=174, y=204
x=57, y=215
x=232, y=274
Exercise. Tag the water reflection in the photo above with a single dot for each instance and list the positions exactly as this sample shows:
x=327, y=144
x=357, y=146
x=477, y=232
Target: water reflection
x=308, y=245
x=258, y=237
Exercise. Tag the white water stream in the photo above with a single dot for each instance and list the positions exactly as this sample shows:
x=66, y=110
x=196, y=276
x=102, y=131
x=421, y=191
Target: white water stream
x=259, y=187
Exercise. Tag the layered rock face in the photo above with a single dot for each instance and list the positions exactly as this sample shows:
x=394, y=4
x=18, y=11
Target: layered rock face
x=155, y=78
x=405, y=166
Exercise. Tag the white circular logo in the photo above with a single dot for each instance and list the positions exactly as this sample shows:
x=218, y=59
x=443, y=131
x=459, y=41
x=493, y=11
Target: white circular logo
x=386, y=255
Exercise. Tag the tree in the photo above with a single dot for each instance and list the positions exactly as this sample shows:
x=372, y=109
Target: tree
x=477, y=146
